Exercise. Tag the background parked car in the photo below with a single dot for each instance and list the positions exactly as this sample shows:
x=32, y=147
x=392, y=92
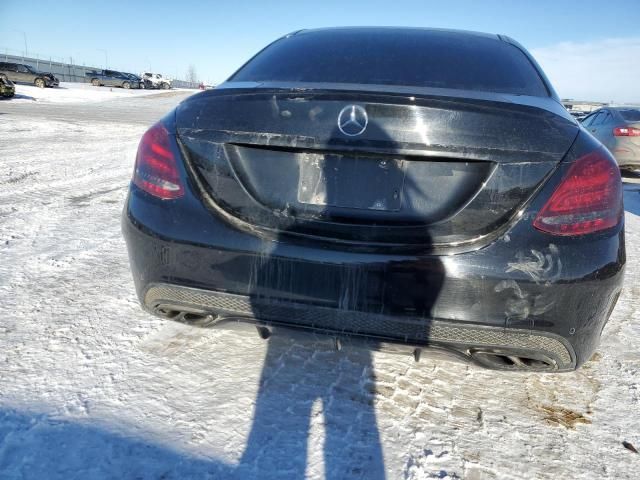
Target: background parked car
x=113, y=78
x=578, y=115
x=155, y=80
x=618, y=129
x=7, y=88
x=136, y=81
x=20, y=73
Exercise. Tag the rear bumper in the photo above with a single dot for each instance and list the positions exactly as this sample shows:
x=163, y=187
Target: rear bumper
x=628, y=161
x=219, y=309
x=525, y=295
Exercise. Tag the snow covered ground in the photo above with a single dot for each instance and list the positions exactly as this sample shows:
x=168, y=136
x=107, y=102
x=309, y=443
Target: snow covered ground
x=77, y=92
x=92, y=387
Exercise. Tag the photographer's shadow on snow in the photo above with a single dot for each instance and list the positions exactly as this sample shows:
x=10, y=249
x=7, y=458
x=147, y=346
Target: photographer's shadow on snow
x=305, y=382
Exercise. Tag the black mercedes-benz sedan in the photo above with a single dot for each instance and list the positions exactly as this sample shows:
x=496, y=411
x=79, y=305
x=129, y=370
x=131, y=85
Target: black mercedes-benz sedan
x=413, y=190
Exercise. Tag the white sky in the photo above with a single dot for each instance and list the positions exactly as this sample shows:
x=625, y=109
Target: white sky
x=605, y=70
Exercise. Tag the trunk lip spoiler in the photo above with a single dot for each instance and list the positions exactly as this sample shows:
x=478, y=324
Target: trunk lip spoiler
x=550, y=104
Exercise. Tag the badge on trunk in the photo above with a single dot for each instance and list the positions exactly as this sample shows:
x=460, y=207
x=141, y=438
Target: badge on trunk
x=353, y=120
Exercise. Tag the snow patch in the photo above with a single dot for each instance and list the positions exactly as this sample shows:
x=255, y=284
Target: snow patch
x=77, y=93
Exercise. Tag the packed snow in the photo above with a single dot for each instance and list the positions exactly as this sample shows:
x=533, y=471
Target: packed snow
x=92, y=387
x=69, y=92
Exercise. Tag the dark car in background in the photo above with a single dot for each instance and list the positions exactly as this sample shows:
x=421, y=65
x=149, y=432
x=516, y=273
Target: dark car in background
x=578, y=115
x=136, y=81
x=7, y=88
x=618, y=128
x=383, y=185
x=113, y=78
x=20, y=73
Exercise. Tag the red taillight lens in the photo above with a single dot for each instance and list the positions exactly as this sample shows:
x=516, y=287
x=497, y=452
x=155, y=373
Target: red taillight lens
x=588, y=199
x=626, y=132
x=156, y=170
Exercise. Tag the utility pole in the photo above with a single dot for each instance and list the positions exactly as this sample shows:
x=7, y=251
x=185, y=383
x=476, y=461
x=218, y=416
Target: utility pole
x=24, y=36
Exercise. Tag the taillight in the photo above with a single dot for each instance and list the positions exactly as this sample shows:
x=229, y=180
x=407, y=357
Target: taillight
x=626, y=132
x=156, y=171
x=588, y=199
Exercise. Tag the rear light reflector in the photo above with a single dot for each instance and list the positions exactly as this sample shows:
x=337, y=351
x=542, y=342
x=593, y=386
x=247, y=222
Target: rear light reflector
x=156, y=171
x=626, y=132
x=588, y=199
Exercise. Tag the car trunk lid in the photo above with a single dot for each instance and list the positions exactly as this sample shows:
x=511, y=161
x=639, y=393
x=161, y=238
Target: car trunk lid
x=428, y=170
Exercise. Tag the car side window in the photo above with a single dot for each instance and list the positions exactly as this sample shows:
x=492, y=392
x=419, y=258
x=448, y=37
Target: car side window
x=22, y=69
x=593, y=118
x=598, y=119
x=587, y=121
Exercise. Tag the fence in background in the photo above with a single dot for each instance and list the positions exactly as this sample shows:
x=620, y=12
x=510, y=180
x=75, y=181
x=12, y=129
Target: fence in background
x=183, y=84
x=67, y=71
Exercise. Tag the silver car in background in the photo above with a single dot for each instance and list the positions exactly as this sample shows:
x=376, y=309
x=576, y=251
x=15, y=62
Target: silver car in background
x=618, y=129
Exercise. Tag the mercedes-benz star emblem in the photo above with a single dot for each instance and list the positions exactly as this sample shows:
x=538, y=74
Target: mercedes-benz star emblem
x=353, y=120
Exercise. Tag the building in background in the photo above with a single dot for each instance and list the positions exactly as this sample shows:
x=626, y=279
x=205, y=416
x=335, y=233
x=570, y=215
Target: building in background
x=581, y=105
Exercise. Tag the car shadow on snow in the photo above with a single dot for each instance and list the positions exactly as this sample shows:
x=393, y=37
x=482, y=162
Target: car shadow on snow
x=632, y=199
x=631, y=183
x=38, y=446
x=19, y=96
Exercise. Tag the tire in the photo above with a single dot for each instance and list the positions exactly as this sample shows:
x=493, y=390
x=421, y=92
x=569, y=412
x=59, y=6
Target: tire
x=95, y=82
x=126, y=85
x=40, y=83
x=165, y=86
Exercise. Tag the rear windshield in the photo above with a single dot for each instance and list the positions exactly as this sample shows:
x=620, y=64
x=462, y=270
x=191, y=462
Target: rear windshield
x=416, y=58
x=630, y=115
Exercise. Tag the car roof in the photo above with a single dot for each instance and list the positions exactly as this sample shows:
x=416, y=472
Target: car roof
x=399, y=30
